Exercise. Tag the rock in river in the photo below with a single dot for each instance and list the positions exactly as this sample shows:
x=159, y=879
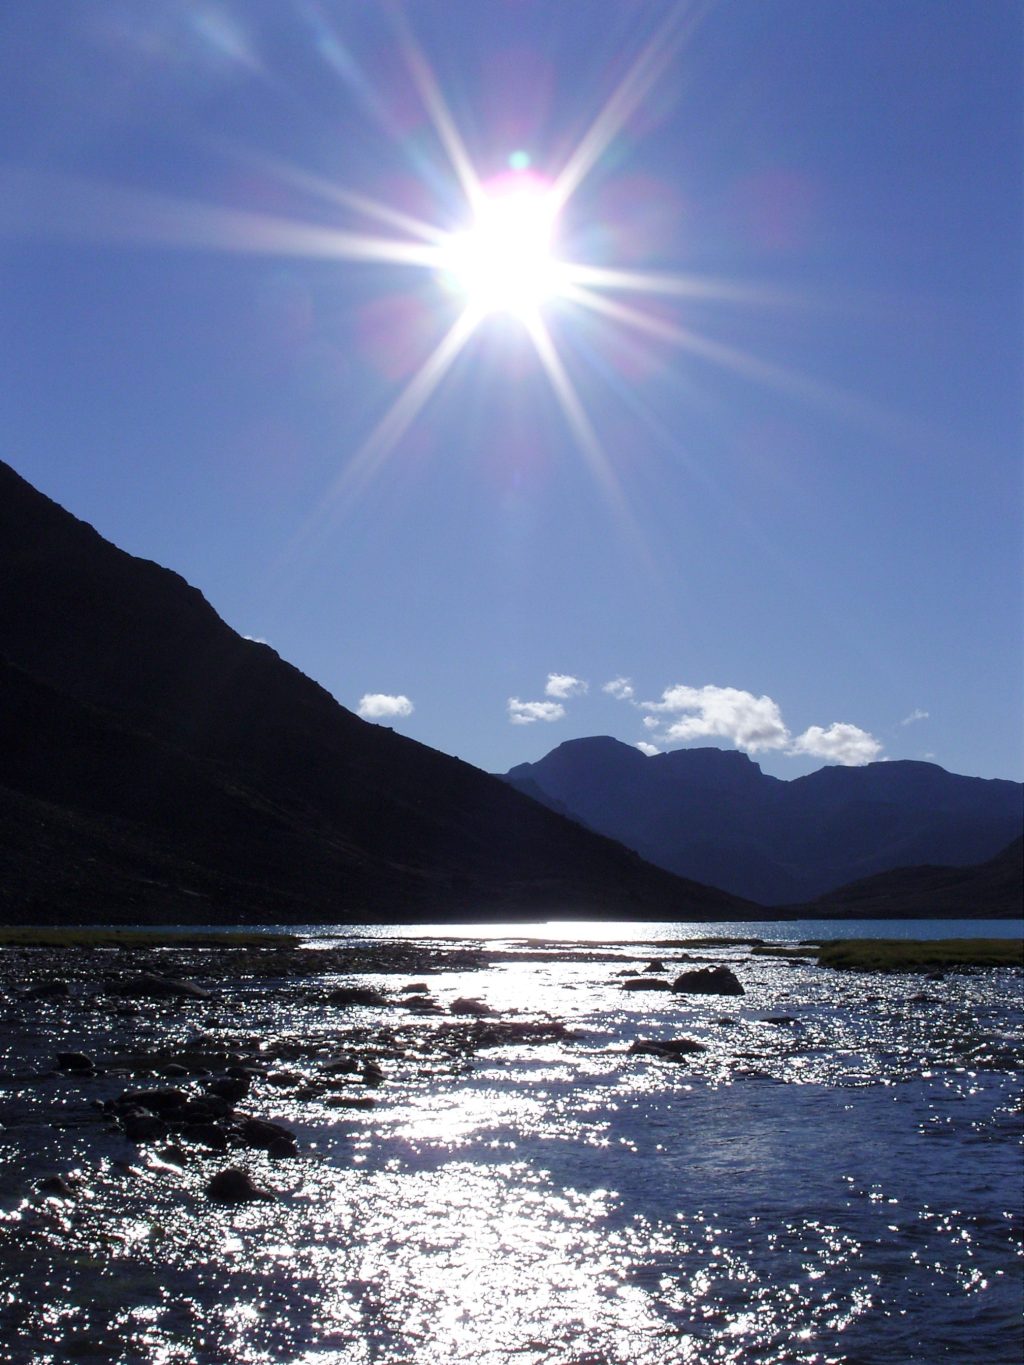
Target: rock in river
x=645, y=983
x=671, y=1049
x=234, y=1186
x=708, y=981
x=357, y=995
x=153, y=987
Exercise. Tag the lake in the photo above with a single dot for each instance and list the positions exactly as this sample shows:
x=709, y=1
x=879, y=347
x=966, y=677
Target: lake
x=834, y=1176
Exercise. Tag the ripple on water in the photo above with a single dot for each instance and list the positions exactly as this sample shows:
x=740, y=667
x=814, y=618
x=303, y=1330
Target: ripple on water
x=834, y=1179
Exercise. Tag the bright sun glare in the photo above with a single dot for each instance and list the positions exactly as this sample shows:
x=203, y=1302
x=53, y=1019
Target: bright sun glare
x=504, y=262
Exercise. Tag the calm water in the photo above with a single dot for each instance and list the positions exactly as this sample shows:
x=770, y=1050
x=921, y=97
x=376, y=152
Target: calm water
x=608, y=931
x=835, y=1178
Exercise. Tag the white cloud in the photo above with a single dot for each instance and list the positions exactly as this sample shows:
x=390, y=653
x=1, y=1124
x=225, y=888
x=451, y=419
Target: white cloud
x=527, y=712
x=564, y=685
x=751, y=723
x=380, y=706
x=846, y=744
x=915, y=715
x=619, y=688
x=725, y=712
x=649, y=749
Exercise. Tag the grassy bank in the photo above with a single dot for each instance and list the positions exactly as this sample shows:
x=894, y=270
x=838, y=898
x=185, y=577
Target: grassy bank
x=916, y=955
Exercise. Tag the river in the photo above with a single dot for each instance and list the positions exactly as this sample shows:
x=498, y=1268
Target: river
x=835, y=1177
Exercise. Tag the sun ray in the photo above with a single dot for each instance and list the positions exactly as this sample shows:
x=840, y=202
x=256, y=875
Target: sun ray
x=70, y=206
x=333, y=193
x=375, y=450
x=676, y=285
x=586, y=437
x=573, y=409
x=444, y=124
x=646, y=70
x=816, y=391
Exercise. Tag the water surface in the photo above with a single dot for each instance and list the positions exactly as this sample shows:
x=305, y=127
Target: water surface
x=835, y=1178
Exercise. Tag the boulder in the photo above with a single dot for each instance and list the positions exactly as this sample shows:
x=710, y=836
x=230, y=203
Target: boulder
x=150, y=986
x=275, y=1139
x=230, y=1088
x=140, y=1126
x=708, y=981
x=645, y=983
x=234, y=1186
x=56, y=1187
x=75, y=1062
x=671, y=1049
x=206, y=1135
x=357, y=995
x=470, y=1005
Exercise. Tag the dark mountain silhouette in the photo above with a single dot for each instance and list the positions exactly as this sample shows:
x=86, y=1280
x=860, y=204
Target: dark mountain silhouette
x=714, y=816
x=155, y=766
x=984, y=890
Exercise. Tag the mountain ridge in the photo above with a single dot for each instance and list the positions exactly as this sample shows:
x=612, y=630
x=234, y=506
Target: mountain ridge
x=714, y=815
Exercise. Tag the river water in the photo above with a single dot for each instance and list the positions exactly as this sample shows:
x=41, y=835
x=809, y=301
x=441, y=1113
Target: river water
x=835, y=1177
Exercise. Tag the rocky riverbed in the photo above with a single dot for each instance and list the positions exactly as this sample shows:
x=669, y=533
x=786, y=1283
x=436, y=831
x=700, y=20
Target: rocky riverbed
x=285, y=1150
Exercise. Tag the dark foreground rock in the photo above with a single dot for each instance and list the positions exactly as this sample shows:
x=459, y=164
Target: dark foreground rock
x=235, y=1186
x=671, y=1049
x=708, y=981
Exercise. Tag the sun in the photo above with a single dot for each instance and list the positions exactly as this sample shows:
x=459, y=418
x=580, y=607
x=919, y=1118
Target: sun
x=505, y=262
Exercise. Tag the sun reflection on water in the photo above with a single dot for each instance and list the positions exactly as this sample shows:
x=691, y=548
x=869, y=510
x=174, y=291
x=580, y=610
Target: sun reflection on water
x=783, y=1195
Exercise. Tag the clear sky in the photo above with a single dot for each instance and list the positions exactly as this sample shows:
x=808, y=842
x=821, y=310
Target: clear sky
x=479, y=354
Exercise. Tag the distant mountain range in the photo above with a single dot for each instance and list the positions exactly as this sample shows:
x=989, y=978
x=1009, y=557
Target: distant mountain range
x=156, y=767
x=713, y=815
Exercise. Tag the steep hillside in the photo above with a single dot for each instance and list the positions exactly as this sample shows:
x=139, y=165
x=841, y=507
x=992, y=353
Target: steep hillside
x=155, y=765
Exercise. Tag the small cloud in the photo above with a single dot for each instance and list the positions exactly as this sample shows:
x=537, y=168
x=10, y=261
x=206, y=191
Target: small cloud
x=564, y=685
x=255, y=639
x=528, y=712
x=845, y=744
x=619, y=688
x=649, y=749
x=750, y=722
x=915, y=715
x=381, y=706
x=651, y=722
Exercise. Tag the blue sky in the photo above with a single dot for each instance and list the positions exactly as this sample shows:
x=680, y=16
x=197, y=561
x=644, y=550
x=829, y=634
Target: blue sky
x=760, y=470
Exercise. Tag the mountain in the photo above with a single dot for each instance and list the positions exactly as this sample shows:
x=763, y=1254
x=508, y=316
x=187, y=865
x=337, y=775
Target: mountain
x=157, y=767
x=990, y=889
x=714, y=816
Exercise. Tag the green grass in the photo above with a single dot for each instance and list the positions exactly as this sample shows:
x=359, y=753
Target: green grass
x=25, y=936
x=914, y=955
